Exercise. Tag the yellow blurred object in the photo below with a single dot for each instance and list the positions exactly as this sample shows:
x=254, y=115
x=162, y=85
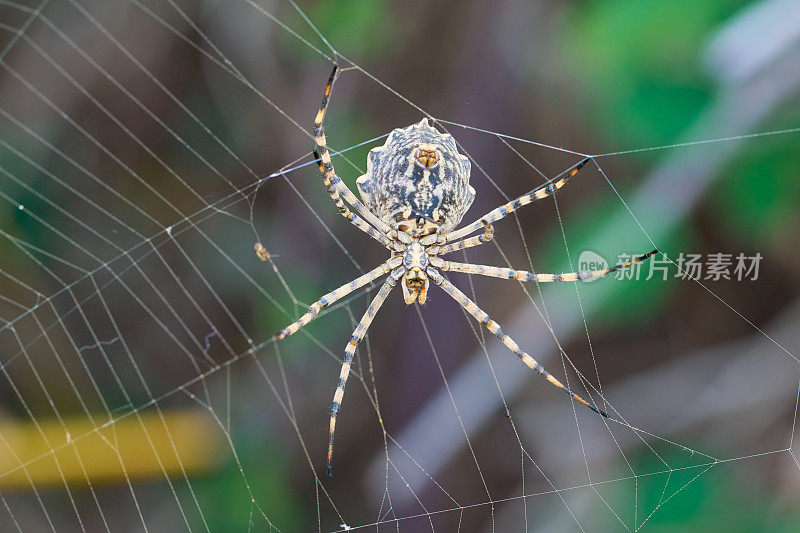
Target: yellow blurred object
x=136, y=446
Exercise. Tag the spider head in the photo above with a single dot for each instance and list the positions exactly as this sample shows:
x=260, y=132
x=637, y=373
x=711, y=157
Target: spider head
x=415, y=286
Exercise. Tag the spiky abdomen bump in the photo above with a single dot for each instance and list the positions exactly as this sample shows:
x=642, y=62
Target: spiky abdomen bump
x=396, y=185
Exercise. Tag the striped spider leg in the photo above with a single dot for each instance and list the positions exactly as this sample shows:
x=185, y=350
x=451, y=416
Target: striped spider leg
x=523, y=275
x=338, y=294
x=504, y=210
x=350, y=351
x=395, y=270
x=520, y=275
x=363, y=218
x=477, y=240
x=481, y=316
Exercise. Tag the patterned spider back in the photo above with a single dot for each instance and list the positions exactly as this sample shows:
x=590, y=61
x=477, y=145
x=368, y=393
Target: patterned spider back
x=418, y=173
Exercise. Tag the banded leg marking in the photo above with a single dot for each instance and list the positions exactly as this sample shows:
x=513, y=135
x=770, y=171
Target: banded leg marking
x=350, y=351
x=334, y=185
x=481, y=316
x=504, y=210
x=361, y=209
x=477, y=240
x=523, y=275
x=338, y=294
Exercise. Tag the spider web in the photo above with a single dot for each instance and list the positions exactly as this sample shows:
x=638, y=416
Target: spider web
x=143, y=385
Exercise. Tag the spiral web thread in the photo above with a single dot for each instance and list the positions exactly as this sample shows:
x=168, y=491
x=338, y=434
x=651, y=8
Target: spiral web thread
x=71, y=359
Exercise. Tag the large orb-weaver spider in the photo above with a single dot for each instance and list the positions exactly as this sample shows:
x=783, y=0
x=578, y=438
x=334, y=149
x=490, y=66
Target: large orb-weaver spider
x=415, y=192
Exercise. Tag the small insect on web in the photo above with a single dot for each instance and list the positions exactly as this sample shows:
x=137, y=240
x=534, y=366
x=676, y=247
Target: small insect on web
x=415, y=192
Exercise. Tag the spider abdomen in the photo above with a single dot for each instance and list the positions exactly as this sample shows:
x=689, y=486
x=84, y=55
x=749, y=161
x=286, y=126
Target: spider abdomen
x=418, y=173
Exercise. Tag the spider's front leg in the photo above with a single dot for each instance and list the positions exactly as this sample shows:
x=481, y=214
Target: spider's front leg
x=477, y=240
x=481, y=316
x=350, y=351
x=372, y=226
x=503, y=211
x=524, y=275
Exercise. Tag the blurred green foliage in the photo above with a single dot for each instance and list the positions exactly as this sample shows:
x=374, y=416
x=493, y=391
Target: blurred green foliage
x=697, y=498
x=762, y=189
x=630, y=302
x=226, y=504
x=648, y=83
x=356, y=28
x=648, y=86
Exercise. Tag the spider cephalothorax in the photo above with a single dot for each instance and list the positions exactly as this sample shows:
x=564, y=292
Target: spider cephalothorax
x=416, y=191
x=415, y=279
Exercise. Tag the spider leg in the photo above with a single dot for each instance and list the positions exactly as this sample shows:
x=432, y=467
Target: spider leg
x=504, y=210
x=481, y=316
x=359, y=207
x=350, y=351
x=523, y=275
x=336, y=187
x=338, y=294
x=477, y=240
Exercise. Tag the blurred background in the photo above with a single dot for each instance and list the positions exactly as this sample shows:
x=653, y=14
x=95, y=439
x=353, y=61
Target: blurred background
x=141, y=150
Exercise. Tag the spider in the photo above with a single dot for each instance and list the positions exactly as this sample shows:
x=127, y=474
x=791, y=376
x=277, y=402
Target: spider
x=415, y=192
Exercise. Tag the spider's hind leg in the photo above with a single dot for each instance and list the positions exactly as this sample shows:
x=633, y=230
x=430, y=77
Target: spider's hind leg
x=350, y=351
x=481, y=316
x=336, y=295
